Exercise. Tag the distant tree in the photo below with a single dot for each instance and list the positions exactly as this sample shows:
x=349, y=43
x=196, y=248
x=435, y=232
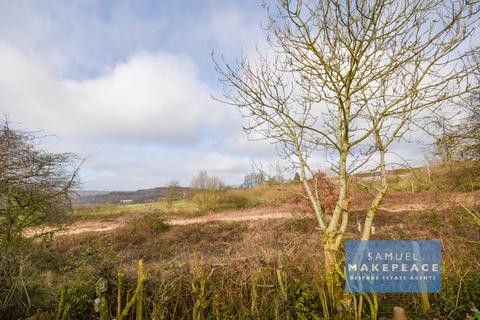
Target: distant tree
x=460, y=139
x=173, y=184
x=275, y=179
x=253, y=180
x=35, y=186
x=204, y=182
x=247, y=181
x=259, y=179
x=296, y=178
x=172, y=191
x=215, y=183
x=200, y=180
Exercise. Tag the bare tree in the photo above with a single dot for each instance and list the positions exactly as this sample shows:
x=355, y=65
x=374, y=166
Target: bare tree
x=172, y=191
x=253, y=180
x=35, y=187
x=200, y=180
x=205, y=182
x=350, y=78
x=459, y=137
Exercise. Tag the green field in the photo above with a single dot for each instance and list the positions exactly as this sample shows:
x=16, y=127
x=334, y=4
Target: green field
x=180, y=207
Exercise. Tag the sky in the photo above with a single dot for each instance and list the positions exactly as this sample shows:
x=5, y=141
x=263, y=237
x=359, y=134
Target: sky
x=128, y=86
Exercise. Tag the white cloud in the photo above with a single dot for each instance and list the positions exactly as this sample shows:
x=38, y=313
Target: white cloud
x=128, y=84
x=237, y=142
x=132, y=167
x=145, y=121
x=27, y=93
x=79, y=38
x=149, y=98
x=125, y=85
x=152, y=97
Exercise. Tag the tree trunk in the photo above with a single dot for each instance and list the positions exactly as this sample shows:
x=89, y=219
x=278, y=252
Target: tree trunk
x=331, y=276
x=334, y=233
x=367, y=227
x=342, y=194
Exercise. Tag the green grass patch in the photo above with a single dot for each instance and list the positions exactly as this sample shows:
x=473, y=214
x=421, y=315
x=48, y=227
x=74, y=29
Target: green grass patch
x=180, y=207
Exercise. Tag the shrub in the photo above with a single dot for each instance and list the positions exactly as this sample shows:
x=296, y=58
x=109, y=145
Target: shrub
x=35, y=187
x=157, y=224
x=207, y=200
x=324, y=189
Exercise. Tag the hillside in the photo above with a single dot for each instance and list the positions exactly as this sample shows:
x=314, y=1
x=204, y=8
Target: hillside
x=137, y=196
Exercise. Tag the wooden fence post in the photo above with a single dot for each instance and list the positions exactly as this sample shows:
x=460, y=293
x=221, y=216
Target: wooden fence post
x=399, y=314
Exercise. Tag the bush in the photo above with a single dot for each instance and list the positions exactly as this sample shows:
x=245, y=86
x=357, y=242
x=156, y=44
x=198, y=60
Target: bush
x=35, y=188
x=157, y=224
x=326, y=191
x=207, y=200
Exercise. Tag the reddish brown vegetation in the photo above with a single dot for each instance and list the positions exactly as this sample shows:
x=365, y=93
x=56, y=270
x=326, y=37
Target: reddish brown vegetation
x=324, y=189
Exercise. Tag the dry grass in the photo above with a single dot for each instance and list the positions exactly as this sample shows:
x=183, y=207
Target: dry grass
x=177, y=208
x=261, y=269
x=240, y=260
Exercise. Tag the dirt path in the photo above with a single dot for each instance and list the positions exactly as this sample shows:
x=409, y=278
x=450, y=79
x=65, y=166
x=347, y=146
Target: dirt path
x=108, y=224
x=285, y=212
x=81, y=226
x=245, y=215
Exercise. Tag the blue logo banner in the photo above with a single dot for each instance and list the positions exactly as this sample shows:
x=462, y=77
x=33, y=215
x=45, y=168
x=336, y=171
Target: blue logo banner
x=393, y=266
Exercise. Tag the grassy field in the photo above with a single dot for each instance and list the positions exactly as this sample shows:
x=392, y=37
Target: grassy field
x=115, y=210
x=197, y=203
x=258, y=269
